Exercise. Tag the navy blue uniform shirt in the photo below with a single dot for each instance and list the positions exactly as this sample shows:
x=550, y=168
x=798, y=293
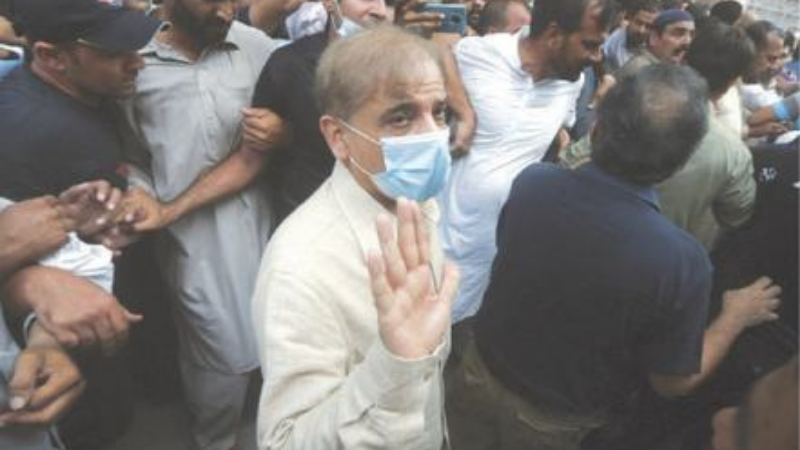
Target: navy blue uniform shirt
x=592, y=288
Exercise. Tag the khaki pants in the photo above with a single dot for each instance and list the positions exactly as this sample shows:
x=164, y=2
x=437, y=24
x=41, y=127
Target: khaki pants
x=484, y=415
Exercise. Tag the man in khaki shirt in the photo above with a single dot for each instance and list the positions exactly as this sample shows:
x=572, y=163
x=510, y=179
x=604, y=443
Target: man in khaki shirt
x=353, y=340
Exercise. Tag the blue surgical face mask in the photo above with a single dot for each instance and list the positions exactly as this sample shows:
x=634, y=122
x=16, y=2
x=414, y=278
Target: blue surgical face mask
x=417, y=165
x=7, y=65
x=346, y=27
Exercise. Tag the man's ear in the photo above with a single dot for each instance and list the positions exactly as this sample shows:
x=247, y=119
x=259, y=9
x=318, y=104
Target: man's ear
x=553, y=36
x=49, y=55
x=333, y=132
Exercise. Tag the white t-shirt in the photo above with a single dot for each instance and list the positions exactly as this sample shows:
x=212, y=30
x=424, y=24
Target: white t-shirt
x=517, y=121
x=755, y=96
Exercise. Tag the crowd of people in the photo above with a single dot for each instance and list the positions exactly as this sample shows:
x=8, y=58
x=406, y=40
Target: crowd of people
x=573, y=225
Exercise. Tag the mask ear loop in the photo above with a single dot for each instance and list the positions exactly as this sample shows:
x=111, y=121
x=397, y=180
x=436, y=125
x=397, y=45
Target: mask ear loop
x=364, y=136
x=340, y=15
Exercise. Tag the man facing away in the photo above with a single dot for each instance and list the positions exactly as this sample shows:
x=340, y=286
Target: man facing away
x=594, y=293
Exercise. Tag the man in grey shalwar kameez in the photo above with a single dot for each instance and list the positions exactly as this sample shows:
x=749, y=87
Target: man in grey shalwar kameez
x=201, y=160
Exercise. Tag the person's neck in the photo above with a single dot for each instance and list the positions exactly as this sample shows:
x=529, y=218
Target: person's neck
x=182, y=42
x=63, y=85
x=533, y=59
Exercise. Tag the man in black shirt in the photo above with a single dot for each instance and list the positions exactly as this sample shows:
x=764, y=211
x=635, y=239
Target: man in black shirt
x=594, y=294
x=58, y=128
x=286, y=87
x=58, y=118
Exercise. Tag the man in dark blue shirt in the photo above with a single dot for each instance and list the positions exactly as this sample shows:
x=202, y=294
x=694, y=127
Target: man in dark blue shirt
x=594, y=293
x=58, y=127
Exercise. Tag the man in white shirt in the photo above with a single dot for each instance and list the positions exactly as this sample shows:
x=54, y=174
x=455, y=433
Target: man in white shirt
x=523, y=88
x=352, y=342
x=758, y=87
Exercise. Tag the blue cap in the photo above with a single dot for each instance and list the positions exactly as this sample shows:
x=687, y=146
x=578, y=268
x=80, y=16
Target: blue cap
x=91, y=22
x=671, y=16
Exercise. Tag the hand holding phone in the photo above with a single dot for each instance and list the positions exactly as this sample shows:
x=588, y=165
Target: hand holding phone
x=409, y=14
x=454, y=17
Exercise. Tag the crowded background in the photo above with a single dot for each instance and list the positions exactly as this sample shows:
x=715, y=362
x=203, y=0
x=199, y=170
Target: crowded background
x=399, y=224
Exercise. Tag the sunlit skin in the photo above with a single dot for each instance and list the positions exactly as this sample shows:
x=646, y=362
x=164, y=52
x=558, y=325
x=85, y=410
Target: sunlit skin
x=396, y=110
x=673, y=42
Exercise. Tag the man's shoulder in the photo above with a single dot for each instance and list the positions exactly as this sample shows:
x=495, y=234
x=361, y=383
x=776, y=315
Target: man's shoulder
x=539, y=175
x=302, y=241
x=26, y=105
x=241, y=33
x=254, y=42
x=638, y=62
x=492, y=48
x=304, y=52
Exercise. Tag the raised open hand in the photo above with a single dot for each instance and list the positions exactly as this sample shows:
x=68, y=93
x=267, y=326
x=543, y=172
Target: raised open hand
x=413, y=311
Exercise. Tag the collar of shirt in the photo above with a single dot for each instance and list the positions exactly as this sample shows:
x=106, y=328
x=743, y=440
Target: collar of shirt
x=645, y=193
x=361, y=209
x=165, y=51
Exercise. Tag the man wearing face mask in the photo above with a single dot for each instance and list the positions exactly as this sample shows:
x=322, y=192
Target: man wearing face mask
x=202, y=151
x=353, y=341
x=285, y=87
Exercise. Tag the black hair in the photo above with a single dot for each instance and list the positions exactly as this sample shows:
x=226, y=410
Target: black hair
x=720, y=53
x=760, y=30
x=728, y=11
x=631, y=7
x=566, y=14
x=494, y=14
x=649, y=124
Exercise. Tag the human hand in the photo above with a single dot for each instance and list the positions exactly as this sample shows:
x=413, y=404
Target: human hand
x=751, y=305
x=91, y=207
x=767, y=129
x=413, y=314
x=262, y=129
x=75, y=311
x=8, y=35
x=30, y=230
x=141, y=212
x=408, y=14
x=45, y=383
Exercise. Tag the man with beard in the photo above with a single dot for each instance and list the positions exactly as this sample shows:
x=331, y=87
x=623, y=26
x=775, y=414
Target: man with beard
x=203, y=149
x=625, y=42
x=758, y=89
x=668, y=41
x=523, y=88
